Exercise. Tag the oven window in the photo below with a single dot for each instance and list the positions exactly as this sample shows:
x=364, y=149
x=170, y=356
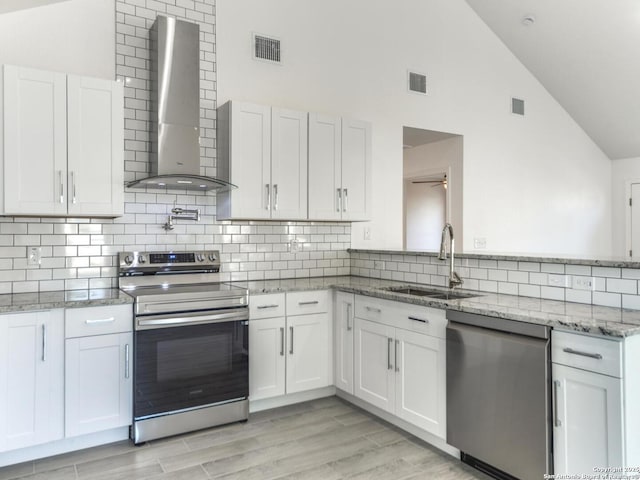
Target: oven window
x=185, y=367
x=194, y=357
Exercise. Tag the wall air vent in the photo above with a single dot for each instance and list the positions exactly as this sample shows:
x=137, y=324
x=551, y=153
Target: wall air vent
x=266, y=48
x=417, y=83
x=517, y=106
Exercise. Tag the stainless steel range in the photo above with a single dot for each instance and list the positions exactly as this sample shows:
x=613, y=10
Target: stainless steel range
x=191, y=359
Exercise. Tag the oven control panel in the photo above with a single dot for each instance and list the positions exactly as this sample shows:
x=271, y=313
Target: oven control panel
x=198, y=260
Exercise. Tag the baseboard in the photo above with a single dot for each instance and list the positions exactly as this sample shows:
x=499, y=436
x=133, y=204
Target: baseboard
x=431, y=439
x=284, y=400
x=64, y=445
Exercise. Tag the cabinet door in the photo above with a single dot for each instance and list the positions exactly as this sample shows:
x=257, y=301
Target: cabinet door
x=587, y=429
x=308, y=350
x=288, y=164
x=35, y=142
x=266, y=358
x=356, y=170
x=250, y=160
x=98, y=383
x=343, y=327
x=325, y=159
x=95, y=146
x=374, y=364
x=31, y=378
x=421, y=381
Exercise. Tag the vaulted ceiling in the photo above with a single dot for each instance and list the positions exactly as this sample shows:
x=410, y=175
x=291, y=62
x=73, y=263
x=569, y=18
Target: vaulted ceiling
x=586, y=53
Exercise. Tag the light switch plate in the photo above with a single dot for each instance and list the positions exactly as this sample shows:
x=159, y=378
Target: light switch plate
x=34, y=256
x=584, y=283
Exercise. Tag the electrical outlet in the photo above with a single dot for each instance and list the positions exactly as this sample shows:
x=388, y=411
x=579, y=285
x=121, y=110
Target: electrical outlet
x=378, y=264
x=34, y=255
x=559, y=280
x=295, y=245
x=367, y=233
x=479, y=243
x=584, y=283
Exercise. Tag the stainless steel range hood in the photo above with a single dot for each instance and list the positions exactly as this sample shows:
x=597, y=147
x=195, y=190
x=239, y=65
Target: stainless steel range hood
x=175, y=110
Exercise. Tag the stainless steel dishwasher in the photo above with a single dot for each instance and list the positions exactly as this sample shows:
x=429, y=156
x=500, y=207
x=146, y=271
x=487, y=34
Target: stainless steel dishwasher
x=498, y=401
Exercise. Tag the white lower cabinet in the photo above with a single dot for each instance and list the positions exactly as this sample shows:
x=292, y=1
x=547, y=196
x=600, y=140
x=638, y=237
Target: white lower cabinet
x=401, y=370
x=98, y=369
x=596, y=395
x=31, y=378
x=289, y=354
x=343, y=340
x=588, y=425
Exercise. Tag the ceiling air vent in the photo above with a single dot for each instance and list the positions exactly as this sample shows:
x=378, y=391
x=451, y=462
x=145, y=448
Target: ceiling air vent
x=517, y=106
x=266, y=48
x=417, y=83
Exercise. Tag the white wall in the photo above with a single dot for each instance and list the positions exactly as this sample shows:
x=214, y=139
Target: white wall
x=425, y=215
x=76, y=36
x=525, y=178
x=624, y=171
x=442, y=156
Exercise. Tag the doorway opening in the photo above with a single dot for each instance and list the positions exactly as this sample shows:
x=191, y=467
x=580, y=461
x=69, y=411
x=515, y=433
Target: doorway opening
x=432, y=187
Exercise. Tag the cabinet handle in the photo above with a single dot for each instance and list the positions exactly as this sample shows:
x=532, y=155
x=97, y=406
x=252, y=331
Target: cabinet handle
x=268, y=197
x=395, y=355
x=389, y=342
x=100, y=320
x=556, y=420
x=126, y=361
x=61, y=186
x=372, y=309
x=73, y=187
x=349, y=327
x=339, y=199
x=275, y=196
x=261, y=307
x=345, y=203
x=282, y=341
x=597, y=356
x=314, y=302
x=291, y=334
x=416, y=319
x=44, y=343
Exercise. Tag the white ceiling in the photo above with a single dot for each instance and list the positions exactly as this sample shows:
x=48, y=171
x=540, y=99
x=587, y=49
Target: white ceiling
x=414, y=137
x=13, y=5
x=586, y=53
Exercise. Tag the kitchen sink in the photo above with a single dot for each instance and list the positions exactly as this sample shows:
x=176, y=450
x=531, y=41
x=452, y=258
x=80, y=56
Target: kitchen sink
x=431, y=293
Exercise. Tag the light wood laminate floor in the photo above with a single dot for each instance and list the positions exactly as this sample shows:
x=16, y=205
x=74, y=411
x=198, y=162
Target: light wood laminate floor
x=325, y=439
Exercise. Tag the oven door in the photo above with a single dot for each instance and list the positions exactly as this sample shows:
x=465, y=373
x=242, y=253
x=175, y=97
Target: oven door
x=188, y=361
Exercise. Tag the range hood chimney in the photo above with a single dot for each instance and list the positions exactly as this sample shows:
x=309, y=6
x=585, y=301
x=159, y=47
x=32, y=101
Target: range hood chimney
x=175, y=109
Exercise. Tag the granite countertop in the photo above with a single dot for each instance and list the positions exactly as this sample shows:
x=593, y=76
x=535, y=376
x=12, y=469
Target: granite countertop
x=22, y=302
x=607, y=321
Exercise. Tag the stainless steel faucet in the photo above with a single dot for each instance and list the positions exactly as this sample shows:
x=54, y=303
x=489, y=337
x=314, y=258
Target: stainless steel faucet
x=454, y=278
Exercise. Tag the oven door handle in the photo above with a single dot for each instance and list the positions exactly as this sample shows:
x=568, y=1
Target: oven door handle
x=175, y=321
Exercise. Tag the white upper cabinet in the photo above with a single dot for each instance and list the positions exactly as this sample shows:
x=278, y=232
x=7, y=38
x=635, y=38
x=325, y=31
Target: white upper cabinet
x=262, y=150
x=95, y=150
x=339, y=168
x=35, y=141
x=63, y=144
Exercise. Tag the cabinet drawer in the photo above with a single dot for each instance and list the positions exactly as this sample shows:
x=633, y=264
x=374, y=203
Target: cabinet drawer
x=594, y=354
x=266, y=306
x=87, y=321
x=373, y=309
x=430, y=321
x=302, y=303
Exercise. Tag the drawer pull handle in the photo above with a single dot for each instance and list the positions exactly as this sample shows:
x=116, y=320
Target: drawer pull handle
x=416, y=319
x=372, y=309
x=315, y=302
x=597, y=356
x=100, y=320
x=261, y=307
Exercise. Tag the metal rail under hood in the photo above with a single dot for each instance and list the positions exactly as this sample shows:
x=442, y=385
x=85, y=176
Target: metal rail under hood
x=175, y=109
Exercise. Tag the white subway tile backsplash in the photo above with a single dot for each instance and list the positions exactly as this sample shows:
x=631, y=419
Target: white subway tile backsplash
x=606, y=272
x=607, y=299
x=556, y=268
x=622, y=286
x=578, y=270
